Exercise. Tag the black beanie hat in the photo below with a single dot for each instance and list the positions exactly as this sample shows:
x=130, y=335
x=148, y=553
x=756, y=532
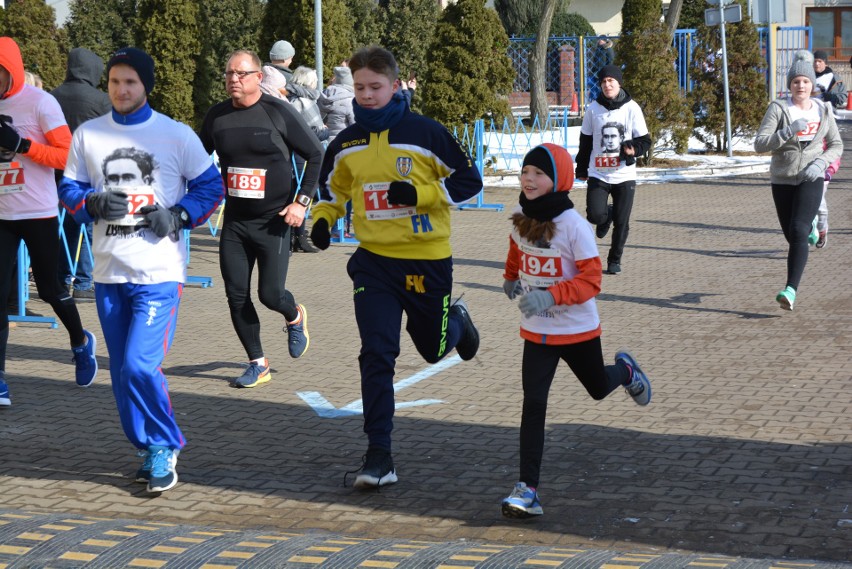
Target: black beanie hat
x=541, y=159
x=613, y=71
x=138, y=60
x=821, y=54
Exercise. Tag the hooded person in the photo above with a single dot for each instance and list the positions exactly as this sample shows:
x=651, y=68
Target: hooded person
x=335, y=103
x=79, y=96
x=35, y=140
x=612, y=135
x=80, y=100
x=553, y=268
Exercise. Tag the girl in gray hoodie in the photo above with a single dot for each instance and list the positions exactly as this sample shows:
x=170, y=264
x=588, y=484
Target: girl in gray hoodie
x=794, y=129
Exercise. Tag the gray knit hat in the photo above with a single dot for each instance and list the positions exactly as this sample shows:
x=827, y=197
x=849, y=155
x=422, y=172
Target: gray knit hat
x=282, y=50
x=803, y=66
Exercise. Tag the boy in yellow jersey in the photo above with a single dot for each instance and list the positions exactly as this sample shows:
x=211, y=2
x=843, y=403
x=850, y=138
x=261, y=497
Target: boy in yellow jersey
x=402, y=172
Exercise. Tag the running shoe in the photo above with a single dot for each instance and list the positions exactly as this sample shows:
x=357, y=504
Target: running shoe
x=254, y=375
x=523, y=502
x=613, y=268
x=85, y=361
x=786, y=298
x=813, y=237
x=5, y=400
x=143, y=475
x=468, y=344
x=376, y=470
x=163, y=473
x=298, y=338
x=823, y=239
x=639, y=387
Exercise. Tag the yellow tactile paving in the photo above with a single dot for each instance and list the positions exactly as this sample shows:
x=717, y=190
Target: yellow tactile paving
x=306, y=559
x=78, y=556
x=168, y=549
x=35, y=536
x=101, y=542
x=381, y=564
x=14, y=550
x=142, y=562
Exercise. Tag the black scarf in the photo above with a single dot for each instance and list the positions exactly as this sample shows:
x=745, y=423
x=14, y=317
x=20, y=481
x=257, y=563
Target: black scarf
x=546, y=207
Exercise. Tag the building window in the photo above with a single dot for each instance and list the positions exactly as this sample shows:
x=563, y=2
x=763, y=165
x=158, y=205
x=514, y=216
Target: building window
x=832, y=30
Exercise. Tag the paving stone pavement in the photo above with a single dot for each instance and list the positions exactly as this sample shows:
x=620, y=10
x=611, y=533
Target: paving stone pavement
x=743, y=459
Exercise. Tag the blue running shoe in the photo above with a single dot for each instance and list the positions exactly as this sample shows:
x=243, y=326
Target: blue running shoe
x=85, y=361
x=298, y=338
x=5, y=401
x=163, y=473
x=143, y=475
x=523, y=502
x=254, y=375
x=639, y=387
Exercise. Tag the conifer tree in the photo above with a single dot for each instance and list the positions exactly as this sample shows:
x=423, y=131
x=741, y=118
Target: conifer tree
x=32, y=24
x=169, y=33
x=228, y=25
x=102, y=26
x=469, y=76
x=645, y=52
x=293, y=20
x=366, y=24
x=521, y=17
x=746, y=82
x=406, y=23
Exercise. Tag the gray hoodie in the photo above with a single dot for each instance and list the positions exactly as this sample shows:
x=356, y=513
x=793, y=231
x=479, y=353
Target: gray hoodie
x=790, y=157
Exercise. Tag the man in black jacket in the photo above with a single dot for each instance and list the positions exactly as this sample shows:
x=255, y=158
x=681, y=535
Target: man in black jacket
x=80, y=100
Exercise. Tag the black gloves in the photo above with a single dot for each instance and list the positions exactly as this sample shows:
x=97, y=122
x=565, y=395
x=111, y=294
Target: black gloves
x=320, y=234
x=161, y=220
x=629, y=160
x=11, y=140
x=402, y=193
x=110, y=206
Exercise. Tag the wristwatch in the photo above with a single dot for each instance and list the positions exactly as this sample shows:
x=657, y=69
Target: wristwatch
x=183, y=215
x=303, y=200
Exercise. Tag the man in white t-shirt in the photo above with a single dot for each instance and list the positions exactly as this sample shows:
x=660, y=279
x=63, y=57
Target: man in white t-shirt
x=142, y=178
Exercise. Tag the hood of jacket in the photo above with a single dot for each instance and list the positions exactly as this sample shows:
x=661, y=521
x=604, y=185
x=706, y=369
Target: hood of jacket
x=10, y=59
x=84, y=66
x=337, y=92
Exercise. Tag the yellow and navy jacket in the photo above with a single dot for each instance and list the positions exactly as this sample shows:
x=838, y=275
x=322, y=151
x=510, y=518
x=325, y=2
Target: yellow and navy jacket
x=358, y=164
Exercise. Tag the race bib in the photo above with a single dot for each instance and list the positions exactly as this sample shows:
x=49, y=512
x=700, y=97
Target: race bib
x=809, y=133
x=376, y=206
x=247, y=183
x=137, y=198
x=11, y=178
x=605, y=162
x=539, y=268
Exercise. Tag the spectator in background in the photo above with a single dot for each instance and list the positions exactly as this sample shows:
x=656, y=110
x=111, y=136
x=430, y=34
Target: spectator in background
x=829, y=88
x=80, y=100
x=604, y=54
x=335, y=103
x=307, y=107
x=281, y=57
x=274, y=83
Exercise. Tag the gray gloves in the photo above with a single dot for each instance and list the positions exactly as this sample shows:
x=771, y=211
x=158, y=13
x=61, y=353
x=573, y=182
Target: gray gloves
x=512, y=288
x=535, y=301
x=814, y=171
x=109, y=205
x=161, y=220
x=790, y=130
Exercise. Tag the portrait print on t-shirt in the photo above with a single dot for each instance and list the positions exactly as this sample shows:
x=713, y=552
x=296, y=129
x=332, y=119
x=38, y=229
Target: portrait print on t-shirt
x=612, y=135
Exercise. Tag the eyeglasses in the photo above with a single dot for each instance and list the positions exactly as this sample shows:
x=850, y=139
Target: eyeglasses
x=240, y=74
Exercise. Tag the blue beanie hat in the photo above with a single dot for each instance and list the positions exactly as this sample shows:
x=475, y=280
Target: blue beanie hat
x=138, y=60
